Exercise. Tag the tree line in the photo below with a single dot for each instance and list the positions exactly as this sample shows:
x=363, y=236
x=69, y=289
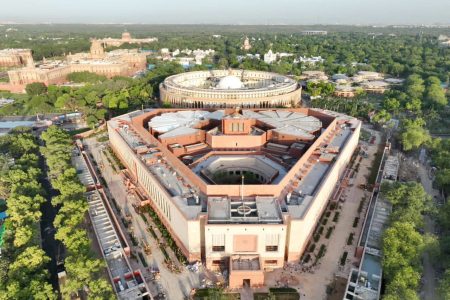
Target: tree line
x=83, y=269
x=23, y=264
x=402, y=243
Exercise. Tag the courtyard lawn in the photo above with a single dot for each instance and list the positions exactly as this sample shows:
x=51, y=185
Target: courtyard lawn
x=279, y=294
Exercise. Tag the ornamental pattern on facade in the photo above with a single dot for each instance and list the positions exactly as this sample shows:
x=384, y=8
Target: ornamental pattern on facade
x=220, y=89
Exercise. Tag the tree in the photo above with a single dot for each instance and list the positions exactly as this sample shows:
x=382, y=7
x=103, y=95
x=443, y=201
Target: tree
x=414, y=137
x=414, y=86
x=36, y=88
x=391, y=105
x=381, y=117
x=413, y=134
x=435, y=96
x=402, y=246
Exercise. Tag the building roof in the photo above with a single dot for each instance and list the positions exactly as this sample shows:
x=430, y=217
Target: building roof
x=230, y=83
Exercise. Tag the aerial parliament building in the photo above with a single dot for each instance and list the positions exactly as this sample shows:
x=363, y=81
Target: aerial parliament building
x=230, y=88
x=241, y=189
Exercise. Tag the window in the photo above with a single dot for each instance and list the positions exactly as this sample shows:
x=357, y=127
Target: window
x=271, y=248
x=217, y=263
x=271, y=262
x=272, y=242
x=218, y=248
x=218, y=242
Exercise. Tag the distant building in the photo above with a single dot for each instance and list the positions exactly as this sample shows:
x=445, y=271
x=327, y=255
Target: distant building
x=270, y=57
x=314, y=75
x=311, y=60
x=126, y=38
x=377, y=86
x=367, y=76
x=345, y=91
x=246, y=46
x=340, y=78
x=120, y=62
x=314, y=32
x=15, y=57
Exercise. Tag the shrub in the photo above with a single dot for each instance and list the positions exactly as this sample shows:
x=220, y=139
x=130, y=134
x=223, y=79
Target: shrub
x=344, y=258
x=355, y=222
x=316, y=238
x=144, y=218
x=320, y=231
x=329, y=232
x=324, y=221
x=133, y=240
x=336, y=217
x=307, y=258
x=327, y=214
x=350, y=239
x=164, y=252
x=144, y=262
x=312, y=247
x=333, y=205
x=152, y=232
x=322, y=251
x=361, y=204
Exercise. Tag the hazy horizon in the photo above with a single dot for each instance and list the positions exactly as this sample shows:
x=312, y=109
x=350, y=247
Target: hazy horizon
x=231, y=12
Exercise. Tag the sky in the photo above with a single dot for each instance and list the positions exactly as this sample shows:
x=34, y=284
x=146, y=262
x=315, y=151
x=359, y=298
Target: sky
x=245, y=12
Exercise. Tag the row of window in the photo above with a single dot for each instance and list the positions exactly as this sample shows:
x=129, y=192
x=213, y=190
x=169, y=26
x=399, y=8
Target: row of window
x=221, y=262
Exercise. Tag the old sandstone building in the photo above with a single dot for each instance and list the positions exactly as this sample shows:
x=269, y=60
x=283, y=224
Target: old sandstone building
x=114, y=63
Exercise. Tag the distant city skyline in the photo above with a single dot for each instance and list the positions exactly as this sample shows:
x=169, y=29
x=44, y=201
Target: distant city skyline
x=248, y=12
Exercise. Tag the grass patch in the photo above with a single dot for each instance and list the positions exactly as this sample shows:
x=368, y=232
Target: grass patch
x=215, y=294
x=278, y=294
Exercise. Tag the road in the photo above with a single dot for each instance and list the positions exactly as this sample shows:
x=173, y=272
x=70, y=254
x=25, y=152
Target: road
x=429, y=278
x=175, y=286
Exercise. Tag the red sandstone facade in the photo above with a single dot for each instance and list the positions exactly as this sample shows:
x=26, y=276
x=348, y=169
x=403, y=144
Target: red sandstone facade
x=203, y=216
x=115, y=63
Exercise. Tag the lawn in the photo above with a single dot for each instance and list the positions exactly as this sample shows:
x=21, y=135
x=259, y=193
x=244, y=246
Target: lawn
x=279, y=294
x=215, y=294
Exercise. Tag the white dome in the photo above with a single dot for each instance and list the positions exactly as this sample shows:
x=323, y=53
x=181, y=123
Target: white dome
x=230, y=83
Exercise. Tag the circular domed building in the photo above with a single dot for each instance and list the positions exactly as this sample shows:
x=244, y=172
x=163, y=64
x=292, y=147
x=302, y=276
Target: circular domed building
x=230, y=88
